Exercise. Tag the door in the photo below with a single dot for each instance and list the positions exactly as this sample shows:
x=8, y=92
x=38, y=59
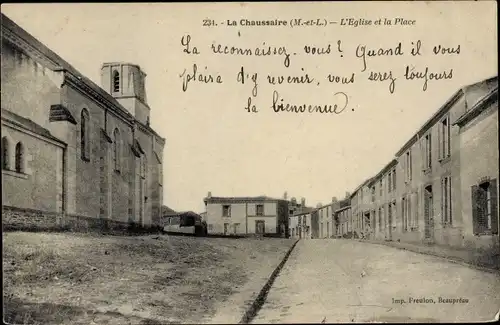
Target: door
x=226, y=229
x=327, y=230
x=429, y=213
x=260, y=227
x=389, y=221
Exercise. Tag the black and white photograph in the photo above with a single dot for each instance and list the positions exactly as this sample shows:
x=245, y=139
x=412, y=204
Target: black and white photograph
x=250, y=162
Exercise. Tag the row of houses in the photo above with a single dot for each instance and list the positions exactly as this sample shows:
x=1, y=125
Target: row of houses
x=267, y=216
x=441, y=186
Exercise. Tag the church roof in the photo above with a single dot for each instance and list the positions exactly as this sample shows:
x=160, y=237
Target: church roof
x=28, y=124
x=59, y=63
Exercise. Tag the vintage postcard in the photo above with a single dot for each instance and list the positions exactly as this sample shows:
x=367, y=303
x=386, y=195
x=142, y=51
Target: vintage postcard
x=250, y=162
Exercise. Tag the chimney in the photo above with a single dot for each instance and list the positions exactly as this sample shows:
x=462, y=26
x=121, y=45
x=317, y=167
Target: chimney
x=303, y=202
x=209, y=195
x=334, y=199
x=285, y=196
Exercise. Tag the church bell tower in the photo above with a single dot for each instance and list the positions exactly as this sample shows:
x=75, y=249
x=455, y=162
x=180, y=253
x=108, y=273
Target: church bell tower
x=126, y=83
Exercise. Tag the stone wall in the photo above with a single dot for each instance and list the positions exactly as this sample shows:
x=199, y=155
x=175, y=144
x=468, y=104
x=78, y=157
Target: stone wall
x=35, y=220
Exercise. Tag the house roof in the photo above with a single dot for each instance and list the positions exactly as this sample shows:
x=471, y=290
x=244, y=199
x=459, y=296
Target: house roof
x=240, y=199
x=442, y=110
x=165, y=210
x=479, y=107
x=342, y=209
x=183, y=213
x=28, y=124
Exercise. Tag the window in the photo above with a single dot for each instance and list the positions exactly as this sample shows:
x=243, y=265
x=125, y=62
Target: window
x=144, y=167
x=394, y=179
x=259, y=210
x=116, y=81
x=394, y=213
x=428, y=152
x=380, y=187
x=406, y=213
x=373, y=193
x=408, y=166
x=226, y=211
x=380, y=219
x=444, y=138
x=19, y=157
x=484, y=208
x=116, y=149
x=446, y=200
x=389, y=182
x=235, y=228
x=84, y=135
x=389, y=214
x=5, y=153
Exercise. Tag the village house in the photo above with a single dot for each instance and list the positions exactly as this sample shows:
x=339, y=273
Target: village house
x=478, y=133
x=305, y=224
x=343, y=220
x=441, y=187
x=260, y=215
x=326, y=218
x=361, y=209
x=75, y=154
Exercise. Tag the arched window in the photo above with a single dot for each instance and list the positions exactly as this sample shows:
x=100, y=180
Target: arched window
x=116, y=81
x=144, y=167
x=5, y=153
x=116, y=149
x=85, y=135
x=19, y=157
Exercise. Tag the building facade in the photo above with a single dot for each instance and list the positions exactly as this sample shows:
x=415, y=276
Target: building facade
x=74, y=153
x=343, y=222
x=478, y=134
x=326, y=220
x=441, y=187
x=301, y=226
x=259, y=215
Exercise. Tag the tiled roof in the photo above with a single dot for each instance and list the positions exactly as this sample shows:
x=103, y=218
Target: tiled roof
x=479, y=106
x=243, y=198
x=165, y=210
x=28, y=124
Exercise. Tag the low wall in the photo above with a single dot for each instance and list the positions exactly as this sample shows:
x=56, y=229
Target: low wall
x=18, y=219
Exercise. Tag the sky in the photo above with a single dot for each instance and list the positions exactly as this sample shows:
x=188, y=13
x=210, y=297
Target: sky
x=214, y=144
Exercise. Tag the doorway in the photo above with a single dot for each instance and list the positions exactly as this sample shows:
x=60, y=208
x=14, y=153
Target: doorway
x=429, y=212
x=392, y=208
x=260, y=227
x=226, y=229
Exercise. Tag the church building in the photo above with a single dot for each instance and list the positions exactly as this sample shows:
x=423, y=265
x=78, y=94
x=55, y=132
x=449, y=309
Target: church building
x=75, y=154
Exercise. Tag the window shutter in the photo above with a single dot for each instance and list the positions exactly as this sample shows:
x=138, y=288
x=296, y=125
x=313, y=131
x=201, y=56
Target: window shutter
x=416, y=210
x=440, y=141
x=450, y=205
x=442, y=200
x=475, y=210
x=494, y=206
x=448, y=137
